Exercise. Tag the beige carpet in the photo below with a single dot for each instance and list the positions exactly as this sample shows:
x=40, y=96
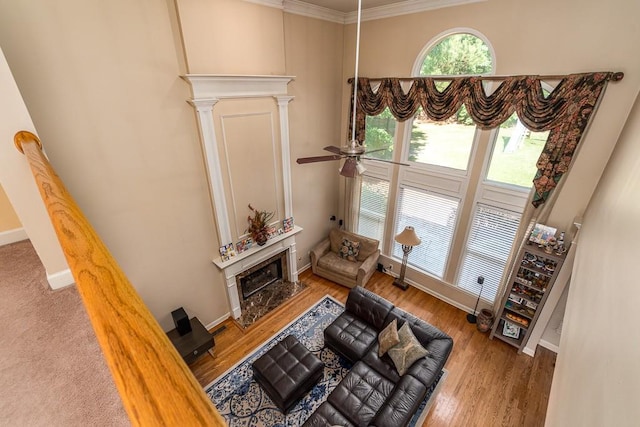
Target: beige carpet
x=52, y=372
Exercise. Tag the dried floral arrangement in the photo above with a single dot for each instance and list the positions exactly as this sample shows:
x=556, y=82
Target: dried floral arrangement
x=258, y=222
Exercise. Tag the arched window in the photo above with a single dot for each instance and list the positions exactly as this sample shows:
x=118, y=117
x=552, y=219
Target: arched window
x=448, y=145
x=466, y=188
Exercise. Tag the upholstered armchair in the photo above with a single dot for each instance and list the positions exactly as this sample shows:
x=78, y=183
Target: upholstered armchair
x=345, y=258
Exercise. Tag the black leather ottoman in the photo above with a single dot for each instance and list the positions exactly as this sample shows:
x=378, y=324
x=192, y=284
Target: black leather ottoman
x=287, y=372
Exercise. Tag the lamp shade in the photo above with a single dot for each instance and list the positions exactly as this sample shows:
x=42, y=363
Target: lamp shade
x=408, y=237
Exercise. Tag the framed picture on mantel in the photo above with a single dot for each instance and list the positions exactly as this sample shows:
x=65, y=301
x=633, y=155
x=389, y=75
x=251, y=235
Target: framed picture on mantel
x=287, y=224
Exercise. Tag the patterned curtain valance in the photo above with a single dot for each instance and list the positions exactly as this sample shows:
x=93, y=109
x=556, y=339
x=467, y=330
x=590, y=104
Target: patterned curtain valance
x=565, y=112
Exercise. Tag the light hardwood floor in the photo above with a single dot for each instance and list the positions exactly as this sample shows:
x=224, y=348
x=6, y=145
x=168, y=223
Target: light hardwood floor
x=488, y=384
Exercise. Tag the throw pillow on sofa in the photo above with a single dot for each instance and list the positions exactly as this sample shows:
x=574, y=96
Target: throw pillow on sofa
x=407, y=351
x=388, y=337
x=349, y=250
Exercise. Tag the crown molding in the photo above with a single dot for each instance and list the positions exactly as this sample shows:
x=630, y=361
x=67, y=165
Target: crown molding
x=298, y=7
x=270, y=3
x=404, y=8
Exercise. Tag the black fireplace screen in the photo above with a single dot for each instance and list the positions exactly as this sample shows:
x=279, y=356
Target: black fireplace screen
x=260, y=277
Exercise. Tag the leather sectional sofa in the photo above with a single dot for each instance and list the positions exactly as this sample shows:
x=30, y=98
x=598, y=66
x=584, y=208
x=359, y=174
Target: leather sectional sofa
x=374, y=393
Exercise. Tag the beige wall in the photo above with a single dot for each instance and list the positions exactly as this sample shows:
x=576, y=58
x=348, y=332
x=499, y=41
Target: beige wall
x=313, y=51
x=8, y=218
x=542, y=37
x=101, y=80
x=314, y=57
x=597, y=375
x=232, y=37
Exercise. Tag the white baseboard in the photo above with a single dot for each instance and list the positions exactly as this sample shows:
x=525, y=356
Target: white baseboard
x=60, y=279
x=433, y=293
x=550, y=346
x=304, y=268
x=217, y=321
x=12, y=236
x=546, y=344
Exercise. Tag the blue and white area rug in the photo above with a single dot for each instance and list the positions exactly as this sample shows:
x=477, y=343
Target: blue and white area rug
x=242, y=402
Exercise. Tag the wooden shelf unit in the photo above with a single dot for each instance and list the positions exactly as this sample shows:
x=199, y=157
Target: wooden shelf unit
x=531, y=281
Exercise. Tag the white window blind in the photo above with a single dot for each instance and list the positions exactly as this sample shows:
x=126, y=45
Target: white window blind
x=434, y=218
x=490, y=239
x=373, y=207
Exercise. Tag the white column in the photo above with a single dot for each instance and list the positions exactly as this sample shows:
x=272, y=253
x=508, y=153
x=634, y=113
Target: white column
x=204, y=108
x=283, y=110
x=292, y=262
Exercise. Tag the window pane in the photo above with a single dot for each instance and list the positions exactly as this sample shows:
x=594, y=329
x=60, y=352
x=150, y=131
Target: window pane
x=458, y=54
x=515, y=153
x=373, y=207
x=380, y=131
x=434, y=217
x=446, y=144
x=488, y=246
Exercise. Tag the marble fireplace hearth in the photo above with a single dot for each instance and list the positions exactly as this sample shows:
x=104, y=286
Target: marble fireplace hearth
x=267, y=299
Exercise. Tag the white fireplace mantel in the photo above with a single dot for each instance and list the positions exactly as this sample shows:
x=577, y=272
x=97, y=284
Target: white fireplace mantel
x=207, y=90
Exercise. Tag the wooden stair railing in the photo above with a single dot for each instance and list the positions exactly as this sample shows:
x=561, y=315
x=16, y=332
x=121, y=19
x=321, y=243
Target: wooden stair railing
x=155, y=385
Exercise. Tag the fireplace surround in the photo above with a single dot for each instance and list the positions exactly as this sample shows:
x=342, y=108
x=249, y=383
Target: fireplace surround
x=282, y=245
x=207, y=91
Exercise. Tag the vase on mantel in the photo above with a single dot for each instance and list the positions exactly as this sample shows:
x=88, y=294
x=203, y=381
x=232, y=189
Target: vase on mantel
x=261, y=237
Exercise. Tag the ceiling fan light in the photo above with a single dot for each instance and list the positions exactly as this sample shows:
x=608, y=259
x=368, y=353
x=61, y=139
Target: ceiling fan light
x=360, y=168
x=349, y=169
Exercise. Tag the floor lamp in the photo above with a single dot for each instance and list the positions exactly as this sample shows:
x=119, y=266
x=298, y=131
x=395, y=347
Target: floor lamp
x=408, y=239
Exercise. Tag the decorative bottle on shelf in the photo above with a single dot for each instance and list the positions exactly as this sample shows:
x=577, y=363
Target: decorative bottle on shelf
x=560, y=249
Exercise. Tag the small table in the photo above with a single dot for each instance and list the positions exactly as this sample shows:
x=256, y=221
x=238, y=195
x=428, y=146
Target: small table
x=287, y=372
x=192, y=344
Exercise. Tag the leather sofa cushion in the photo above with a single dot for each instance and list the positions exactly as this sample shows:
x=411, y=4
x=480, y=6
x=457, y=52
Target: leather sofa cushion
x=325, y=416
x=401, y=404
x=361, y=394
x=382, y=365
x=424, y=332
x=369, y=307
x=350, y=337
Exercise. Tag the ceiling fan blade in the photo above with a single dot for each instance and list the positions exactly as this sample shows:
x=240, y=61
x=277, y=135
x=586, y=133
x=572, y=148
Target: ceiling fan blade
x=375, y=151
x=386, y=161
x=333, y=149
x=317, y=159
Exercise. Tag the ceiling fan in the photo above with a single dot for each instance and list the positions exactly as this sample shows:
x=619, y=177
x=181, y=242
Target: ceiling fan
x=354, y=151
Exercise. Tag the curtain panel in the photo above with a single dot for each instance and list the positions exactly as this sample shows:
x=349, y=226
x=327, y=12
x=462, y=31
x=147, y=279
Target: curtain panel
x=565, y=112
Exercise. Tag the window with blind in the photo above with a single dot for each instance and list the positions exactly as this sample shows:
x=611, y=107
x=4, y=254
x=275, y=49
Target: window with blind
x=374, y=196
x=510, y=170
x=434, y=218
x=488, y=245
